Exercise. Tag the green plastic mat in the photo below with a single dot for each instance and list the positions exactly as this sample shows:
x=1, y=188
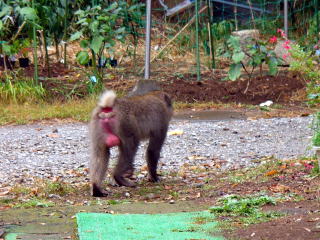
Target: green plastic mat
x=172, y=226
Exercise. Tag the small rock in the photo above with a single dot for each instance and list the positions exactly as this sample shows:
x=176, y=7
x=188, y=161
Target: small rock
x=127, y=194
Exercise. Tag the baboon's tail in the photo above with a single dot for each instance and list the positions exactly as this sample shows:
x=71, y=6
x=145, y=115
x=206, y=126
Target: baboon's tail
x=107, y=99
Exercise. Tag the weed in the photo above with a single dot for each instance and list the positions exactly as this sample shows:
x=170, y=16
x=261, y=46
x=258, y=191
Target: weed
x=174, y=194
x=315, y=170
x=246, y=209
x=146, y=190
x=277, y=106
x=6, y=201
x=234, y=205
x=256, y=173
x=59, y=188
x=316, y=129
x=21, y=190
x=21, y=91
x=34, y=202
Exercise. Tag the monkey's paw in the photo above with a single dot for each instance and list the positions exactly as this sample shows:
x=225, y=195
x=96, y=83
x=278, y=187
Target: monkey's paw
x=98, y=192
x=120, y=180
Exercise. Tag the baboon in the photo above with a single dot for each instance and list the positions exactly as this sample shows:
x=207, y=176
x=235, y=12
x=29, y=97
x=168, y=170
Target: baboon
x=144, y=113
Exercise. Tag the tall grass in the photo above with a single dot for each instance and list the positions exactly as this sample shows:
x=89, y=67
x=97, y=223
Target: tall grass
x=20, y=91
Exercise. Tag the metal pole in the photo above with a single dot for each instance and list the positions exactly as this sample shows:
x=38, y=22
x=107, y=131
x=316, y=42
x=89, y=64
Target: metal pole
x=317, y=19
x=213, y=63
x=35, y=57
x=286, y=17
x=197, y=41
x=148, y=34
x=65, y=32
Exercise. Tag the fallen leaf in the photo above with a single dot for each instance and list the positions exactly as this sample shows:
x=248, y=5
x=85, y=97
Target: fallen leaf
x=280, y=188
x=53, y=135
x=175, y=132
x=271, y=173
x=2, y=208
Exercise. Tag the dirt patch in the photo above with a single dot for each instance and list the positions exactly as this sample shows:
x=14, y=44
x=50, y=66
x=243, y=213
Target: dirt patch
x=301, y=223
x=279, y=89
x=184, y=87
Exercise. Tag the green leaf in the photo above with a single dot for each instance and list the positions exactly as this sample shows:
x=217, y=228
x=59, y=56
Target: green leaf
x=263, y=49
x=1, y=25
x=235, y=71
x=6, y=10
x=6, y=49
x=112, y=6
x=257, y=59
x=234, y=42
x=120, y=30
x=237, y=57
x=82, y=57
x=96, y=44
x=28, y=13
x=75, y=36
x=84, y=43
x=273, y=66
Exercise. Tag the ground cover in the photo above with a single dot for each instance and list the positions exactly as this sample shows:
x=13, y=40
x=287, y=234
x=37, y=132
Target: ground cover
x=291, y=186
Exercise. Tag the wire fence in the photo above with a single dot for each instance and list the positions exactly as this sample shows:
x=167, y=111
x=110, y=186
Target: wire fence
x=176, y=23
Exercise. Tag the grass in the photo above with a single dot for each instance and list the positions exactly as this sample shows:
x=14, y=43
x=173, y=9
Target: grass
x=259, y=173
x=34, y=202
x=38, y=193
x=20, y=91
x=245, y=209
x=56, y=187
x=78, y=110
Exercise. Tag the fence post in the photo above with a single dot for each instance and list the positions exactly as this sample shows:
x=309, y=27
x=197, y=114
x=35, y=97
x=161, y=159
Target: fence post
x=197, y=41
x=317, y=19
x=148, y=33
x=286, y=17
x=35, y=55
x=213, y=62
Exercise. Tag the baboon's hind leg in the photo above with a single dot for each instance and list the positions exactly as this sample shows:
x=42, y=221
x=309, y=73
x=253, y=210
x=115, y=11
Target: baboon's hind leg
x=98, y=168
x=153, y=153
x=124, y=167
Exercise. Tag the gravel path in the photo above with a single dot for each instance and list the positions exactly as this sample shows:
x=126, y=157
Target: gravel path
x=44, y=150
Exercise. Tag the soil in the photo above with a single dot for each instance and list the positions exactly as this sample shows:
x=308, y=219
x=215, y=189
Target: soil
x=279, y=89
x=284, y=88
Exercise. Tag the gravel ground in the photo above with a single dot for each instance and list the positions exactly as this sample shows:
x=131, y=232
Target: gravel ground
x=53, y=150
